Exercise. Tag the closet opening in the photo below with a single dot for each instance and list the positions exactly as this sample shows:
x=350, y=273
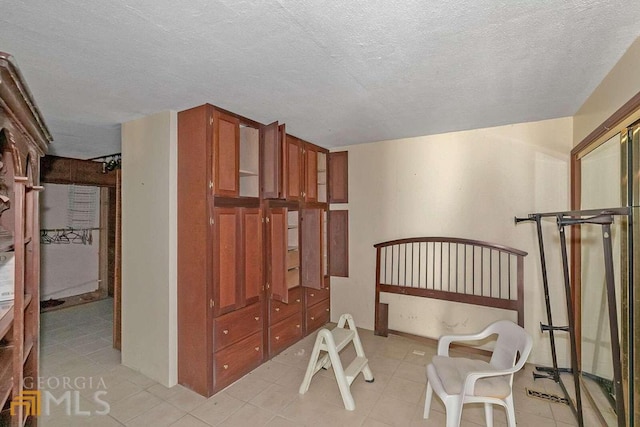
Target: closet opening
x=79, y=243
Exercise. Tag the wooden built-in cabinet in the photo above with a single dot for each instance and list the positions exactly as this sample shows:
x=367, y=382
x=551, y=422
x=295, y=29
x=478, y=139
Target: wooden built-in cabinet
x=338, y=177
x=294, y=168
x=252, y=243
x=237, y=258
x=23, y=141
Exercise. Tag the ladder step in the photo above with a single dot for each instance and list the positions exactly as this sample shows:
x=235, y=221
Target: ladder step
x=354, y=368
x=342, y=337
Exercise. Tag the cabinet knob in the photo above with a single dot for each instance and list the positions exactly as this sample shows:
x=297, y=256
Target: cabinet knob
x=298, y=326
x=277, y=308
x=257, y=318
x=277, y=338
x=257, y=348
x=312, y=295
x=297, y=299
x=225, y=366
x=226, y=332
x=313, y=318
x=326, y=309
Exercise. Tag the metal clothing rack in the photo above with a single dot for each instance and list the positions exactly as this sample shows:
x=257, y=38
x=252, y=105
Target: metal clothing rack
x=604, y=218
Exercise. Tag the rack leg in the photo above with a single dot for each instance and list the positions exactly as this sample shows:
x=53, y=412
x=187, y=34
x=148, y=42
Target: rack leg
x=571, y=318
x=613, y=322
x=545, y=284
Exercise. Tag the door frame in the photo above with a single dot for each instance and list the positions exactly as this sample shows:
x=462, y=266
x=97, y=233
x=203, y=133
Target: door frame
x=68, y=171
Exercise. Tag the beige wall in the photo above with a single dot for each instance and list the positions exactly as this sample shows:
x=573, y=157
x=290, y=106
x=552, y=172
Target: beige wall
x=149, y=236
x=466, y=184
x=622, y=83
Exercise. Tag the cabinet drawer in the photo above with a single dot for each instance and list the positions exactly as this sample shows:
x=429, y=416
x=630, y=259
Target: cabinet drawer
x=238, y=359
x=285, y=333
x=293, y=278
x=318, y=315
x=293, y=259
x=280, y=310
x=237, y=325
x=314, y=296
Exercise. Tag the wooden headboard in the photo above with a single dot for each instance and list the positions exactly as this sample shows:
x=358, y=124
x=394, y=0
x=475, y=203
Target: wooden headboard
x=451, y=269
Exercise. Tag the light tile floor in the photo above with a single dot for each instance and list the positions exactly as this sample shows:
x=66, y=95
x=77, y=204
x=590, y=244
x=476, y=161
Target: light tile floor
x=76, y=357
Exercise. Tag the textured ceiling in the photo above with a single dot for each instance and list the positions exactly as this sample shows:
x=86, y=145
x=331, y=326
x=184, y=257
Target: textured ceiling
x=336, y=72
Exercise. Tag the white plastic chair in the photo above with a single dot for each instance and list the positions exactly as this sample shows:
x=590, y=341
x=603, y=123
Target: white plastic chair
x=458, y=380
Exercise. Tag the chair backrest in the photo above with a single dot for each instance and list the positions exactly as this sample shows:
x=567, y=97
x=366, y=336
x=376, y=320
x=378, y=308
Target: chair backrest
x=512, y=346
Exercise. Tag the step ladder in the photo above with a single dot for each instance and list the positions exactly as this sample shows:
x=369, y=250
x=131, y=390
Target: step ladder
x=332, y=342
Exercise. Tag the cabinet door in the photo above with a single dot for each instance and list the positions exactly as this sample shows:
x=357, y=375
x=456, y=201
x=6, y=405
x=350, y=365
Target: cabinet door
x=271, y=162
x=339, y=243
x=277, y=257
x=226, y=158
x=226, y=244
x=338, y=177
x=294, y=168
x=252, y=254
x=311, y=248
x=311, y=174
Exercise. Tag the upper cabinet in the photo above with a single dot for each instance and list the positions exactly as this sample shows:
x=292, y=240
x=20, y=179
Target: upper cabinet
x=272, y=159
x=310, y=192
x=233, y=145
x=249, y=172
x=338, y=177
x=226, y=154
x=315, y=174
x=321, y=181
x=294, y=165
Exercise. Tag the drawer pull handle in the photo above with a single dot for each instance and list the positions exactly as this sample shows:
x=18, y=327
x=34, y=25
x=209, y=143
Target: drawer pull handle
x=277, y=308
x=313, y=318
x=297, y=299
x=226, y=332
x=277, y=338
x=257, y=318
x=257, y=348
x=225, y=366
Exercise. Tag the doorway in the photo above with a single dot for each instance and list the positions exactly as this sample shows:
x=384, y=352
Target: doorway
x=79, y=236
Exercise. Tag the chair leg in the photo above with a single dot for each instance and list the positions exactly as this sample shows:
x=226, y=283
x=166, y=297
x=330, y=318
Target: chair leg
x=488, y=414
x=453, y=408
x=427, y=401
x=511, y=413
